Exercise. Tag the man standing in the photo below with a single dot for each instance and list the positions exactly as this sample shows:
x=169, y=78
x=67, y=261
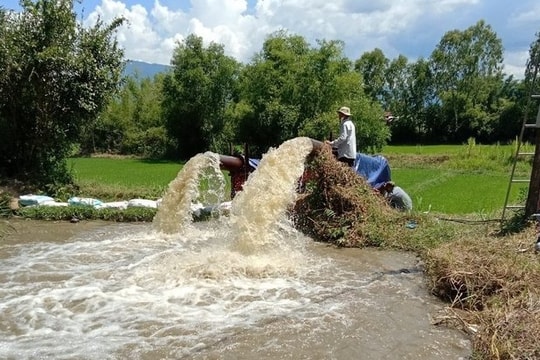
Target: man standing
x=346, y=142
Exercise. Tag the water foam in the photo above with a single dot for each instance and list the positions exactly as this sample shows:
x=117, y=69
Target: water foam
x=263, y=202
x=92, y=297
x=201, y=171
x=140, y=291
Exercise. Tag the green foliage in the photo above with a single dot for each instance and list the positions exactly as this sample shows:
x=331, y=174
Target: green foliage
x=131, y=123
x=533, y=65
x=131, y=214
x=372, y=65
x=196, y=96
x=291, y=89
x=151, y=143
x=270, y=87
x=467, y=73
x=55, y=77
x=371, y=133
x=58, y=82
x=5, y=199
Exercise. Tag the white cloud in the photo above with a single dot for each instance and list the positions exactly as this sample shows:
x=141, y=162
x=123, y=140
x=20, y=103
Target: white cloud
x=395, y=26
x=526, y=15
x=218, y=12
x=137, y=36
x=515, y=63
x=167, y=20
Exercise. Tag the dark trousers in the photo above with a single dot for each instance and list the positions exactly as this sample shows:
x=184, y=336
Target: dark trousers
x=347, y=161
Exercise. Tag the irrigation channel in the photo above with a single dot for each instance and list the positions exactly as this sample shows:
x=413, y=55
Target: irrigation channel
x=242, y=286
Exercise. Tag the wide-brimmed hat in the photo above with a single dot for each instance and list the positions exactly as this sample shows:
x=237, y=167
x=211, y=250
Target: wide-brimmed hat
x=345, y=111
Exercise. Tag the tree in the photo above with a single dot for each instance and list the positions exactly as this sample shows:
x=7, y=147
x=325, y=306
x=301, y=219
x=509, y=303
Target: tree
x=413, y=103
x=131, y=123
x=532, y=70
x=321, y=79
x=373, y=67
x=467, y=71
x=55, y=77
x=271, y=92
x=292, y=89
x=196, y=96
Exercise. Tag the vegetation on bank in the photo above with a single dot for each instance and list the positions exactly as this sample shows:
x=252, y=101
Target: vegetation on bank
x=490, y=278
x=455, y=180
x=492, y=286
x=56, y=76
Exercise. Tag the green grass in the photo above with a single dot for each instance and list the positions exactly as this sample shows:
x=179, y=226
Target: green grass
x=125, y=178
x=110, y=179
x=124, y=172
x=422, y=149
x=469, y=148
x=455, y=192
x=473, y=180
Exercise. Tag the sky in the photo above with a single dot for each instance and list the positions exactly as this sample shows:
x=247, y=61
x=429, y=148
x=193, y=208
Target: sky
x=398, y=27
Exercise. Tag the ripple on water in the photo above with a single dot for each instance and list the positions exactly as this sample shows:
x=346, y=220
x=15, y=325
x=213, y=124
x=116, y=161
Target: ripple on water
x=137, y=294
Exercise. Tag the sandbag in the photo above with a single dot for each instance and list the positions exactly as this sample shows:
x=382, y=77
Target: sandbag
x=30, y=199
x=114, y=205
x=142, y=203
x=81, y=201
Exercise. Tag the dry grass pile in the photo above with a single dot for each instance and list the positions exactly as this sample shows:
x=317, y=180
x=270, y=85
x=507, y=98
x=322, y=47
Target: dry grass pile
x=511, y=331
x=338, y=206
x=493, y=285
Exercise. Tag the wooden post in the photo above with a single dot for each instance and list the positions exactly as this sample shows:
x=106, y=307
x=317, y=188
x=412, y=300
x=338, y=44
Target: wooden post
x=533, y=198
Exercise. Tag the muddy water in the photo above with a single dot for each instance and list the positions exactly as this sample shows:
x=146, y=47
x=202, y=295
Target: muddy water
x=97, y=290
x=242, y=286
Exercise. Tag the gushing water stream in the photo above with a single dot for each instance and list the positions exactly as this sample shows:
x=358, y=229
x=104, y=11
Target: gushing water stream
x=240, y=287
x=175, y=208
x=259, y=209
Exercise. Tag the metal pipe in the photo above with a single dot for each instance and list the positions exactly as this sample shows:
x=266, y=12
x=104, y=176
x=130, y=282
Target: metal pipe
x=230, y=163
x=317, y=145
x=235, y=163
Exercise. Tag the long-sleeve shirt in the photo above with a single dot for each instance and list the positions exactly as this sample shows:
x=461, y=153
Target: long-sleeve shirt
x=399, y=199
x=346, y=142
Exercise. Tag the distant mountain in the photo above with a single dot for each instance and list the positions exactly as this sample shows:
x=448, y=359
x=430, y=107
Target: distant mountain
x=143, y=70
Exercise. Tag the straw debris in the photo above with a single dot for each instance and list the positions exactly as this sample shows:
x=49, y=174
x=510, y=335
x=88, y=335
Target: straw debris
x=493, y=285
x=338, y=206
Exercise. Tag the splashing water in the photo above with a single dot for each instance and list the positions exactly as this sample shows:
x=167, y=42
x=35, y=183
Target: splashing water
x=123, y=291
x=201, y=171
x=258, y=209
